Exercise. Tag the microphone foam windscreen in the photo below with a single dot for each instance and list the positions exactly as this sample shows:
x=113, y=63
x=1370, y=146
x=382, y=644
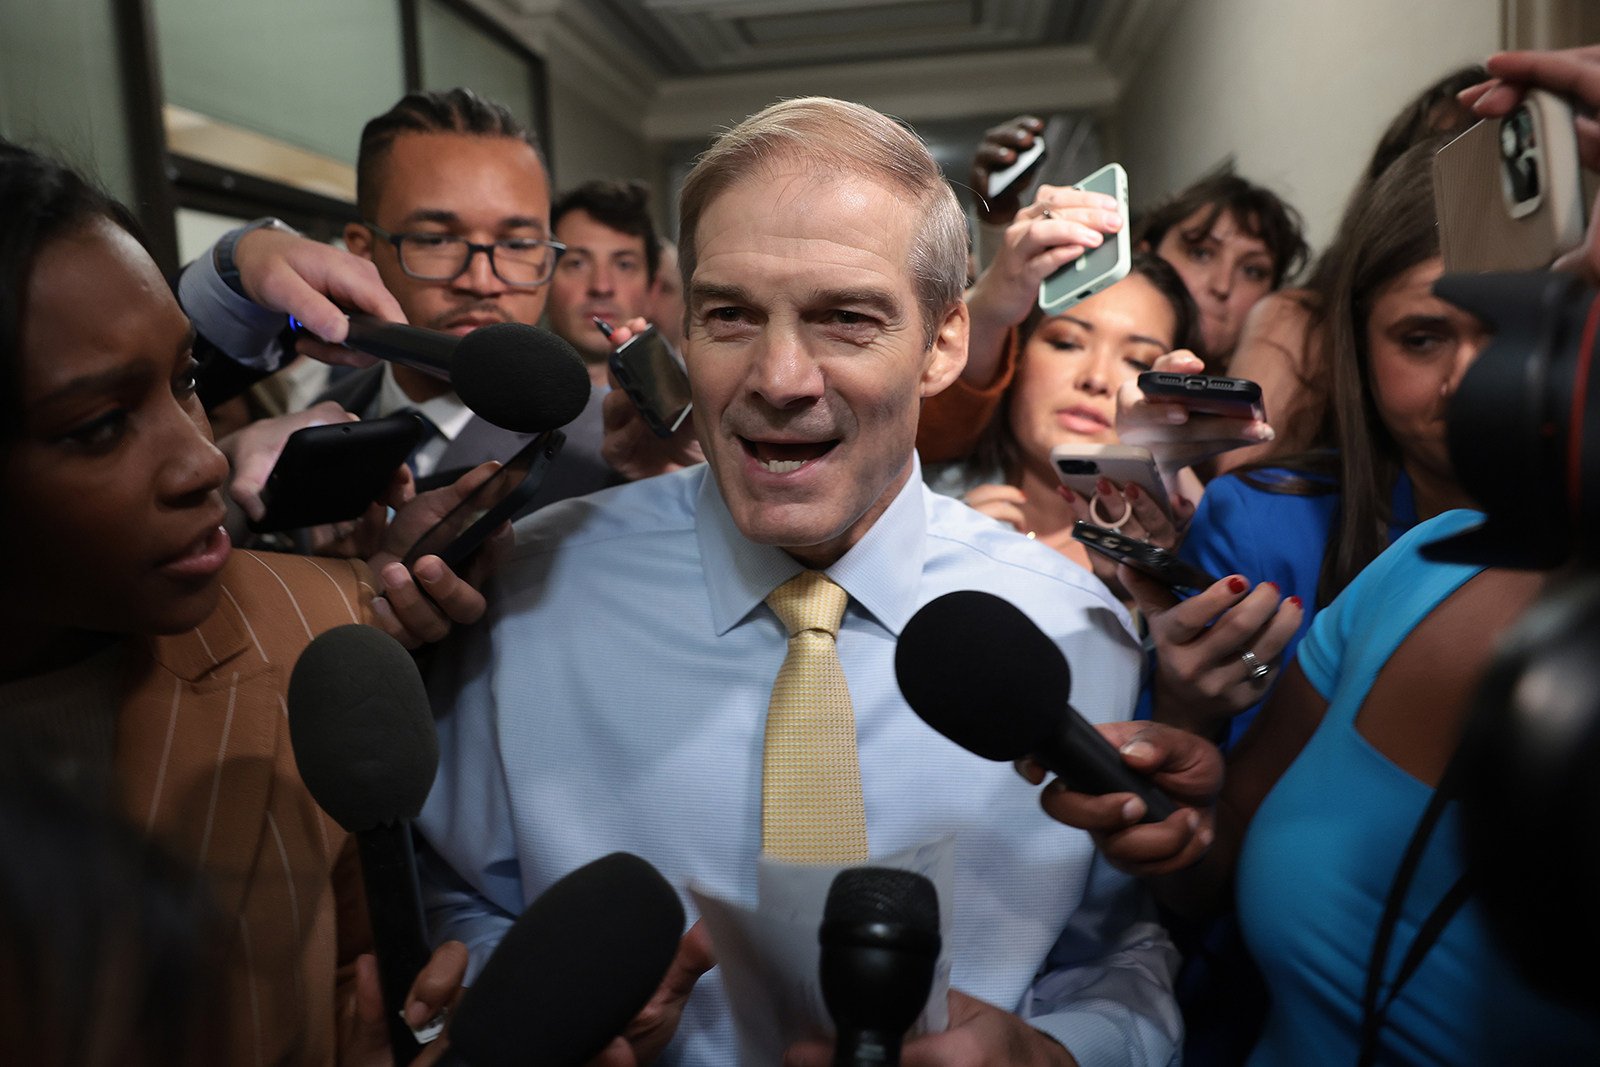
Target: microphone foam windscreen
x=361, y=727
x=864, y=895
x=978, y=670
x=574, y=969
x=520, y=377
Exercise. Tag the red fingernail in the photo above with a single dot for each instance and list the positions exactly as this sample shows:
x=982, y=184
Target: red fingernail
x=1237, y=584
x=1132, y=491
x=1273, y=585
x=1295, y=601
x=1067, y=494
x=1104, y=486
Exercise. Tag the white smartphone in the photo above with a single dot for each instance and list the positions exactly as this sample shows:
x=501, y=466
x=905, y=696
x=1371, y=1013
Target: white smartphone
x=1509, y=191
x=1097, y=267
x=1001, y=180
x=1080, y=466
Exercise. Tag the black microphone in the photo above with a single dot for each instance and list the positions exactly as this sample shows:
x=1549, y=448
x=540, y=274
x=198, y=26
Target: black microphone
x=519, y=377
x=880, y=941
x=978, y=670
x=573, y=970
x=364, y=741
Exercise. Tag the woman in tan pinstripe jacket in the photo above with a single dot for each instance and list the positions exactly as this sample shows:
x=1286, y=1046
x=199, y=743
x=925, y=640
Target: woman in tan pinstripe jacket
x=143, y=658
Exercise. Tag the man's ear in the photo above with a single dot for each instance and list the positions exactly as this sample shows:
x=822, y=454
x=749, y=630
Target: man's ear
x=948, y=353
x=358, y=239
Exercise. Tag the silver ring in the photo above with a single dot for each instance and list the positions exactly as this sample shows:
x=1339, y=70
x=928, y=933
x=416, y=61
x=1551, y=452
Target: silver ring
x=1045, y=214
x=1258, y=670
x=1099, y=516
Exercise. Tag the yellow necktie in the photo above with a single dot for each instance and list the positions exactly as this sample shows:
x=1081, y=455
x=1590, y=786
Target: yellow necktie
x=811, y=809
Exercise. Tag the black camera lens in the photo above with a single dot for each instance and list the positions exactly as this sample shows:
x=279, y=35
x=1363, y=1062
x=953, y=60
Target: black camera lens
x=1078, y=466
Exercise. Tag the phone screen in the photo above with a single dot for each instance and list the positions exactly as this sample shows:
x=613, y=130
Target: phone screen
x=653, y=376
x=456, y=536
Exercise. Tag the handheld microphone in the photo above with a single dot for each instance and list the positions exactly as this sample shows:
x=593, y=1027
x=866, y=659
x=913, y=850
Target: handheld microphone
x=978, y=670
x=573, y=970
x=516, y=376
x=880, y=941
x=364, y=741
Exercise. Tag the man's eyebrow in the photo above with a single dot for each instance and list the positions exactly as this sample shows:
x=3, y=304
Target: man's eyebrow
x=706, y=292
x=876, y=299
x=450, y=218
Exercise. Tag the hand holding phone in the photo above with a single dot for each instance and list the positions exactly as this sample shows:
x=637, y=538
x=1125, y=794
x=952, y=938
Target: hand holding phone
x=1081, y=466
x=1207, y=394
x=1099, y=267
x=1007, y=157
x=328, y=474
x=1152, y=561
x=653, y=376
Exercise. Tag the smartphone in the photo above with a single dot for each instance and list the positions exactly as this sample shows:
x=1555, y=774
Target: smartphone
x=1153, y=561
x=463, y=531
x=1509, y=191
x=332, y=473
x=654, y=378
x=1097, y=267
x=1006, y=177
x=1081, y=466
x=1207, y=394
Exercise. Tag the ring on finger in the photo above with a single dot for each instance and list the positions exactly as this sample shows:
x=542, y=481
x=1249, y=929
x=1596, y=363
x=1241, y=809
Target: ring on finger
x=1099, y=517
x=1258, y=669
x=1045, y=214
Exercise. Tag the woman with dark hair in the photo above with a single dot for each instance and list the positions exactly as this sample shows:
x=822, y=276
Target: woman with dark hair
x=141, y=658
x=1310, y=523
x=1068, y=370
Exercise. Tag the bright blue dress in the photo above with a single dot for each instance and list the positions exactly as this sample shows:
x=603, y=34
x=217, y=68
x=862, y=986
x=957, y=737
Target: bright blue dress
x=1322, y=851
x=1266, y=536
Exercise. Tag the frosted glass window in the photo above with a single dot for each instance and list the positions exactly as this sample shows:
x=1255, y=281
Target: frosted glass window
x=457, y=52
x=307, y=72
x=60, y=91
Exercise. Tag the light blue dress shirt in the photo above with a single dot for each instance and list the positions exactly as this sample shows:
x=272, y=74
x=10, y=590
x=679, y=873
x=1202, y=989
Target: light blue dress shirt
x=615, y=698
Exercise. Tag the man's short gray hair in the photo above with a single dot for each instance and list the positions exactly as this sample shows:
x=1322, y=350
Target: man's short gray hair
x=848, y=138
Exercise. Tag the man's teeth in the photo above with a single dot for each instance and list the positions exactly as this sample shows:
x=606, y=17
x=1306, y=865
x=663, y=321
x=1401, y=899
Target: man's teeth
x=781, y=466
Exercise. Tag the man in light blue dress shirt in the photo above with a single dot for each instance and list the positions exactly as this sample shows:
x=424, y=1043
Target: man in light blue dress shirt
x=615, y=696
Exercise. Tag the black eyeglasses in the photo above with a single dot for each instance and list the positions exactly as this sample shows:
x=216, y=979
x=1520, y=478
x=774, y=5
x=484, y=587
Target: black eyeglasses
x=441, y=257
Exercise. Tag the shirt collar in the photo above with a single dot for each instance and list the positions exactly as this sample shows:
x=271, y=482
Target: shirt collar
x=445, y=411
x=882, y=573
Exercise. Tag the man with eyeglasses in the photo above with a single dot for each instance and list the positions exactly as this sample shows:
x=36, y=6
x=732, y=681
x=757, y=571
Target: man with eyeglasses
x=454, y=202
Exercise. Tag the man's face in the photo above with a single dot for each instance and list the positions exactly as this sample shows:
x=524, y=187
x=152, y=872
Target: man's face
x=482, y=188
x=807, y=354
x=601, y=275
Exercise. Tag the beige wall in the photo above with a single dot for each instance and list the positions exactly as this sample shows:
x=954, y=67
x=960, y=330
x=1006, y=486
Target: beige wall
x=586, y=143
x=1297, y=91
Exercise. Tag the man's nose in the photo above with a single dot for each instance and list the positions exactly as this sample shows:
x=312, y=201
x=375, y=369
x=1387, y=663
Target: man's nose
x=783, y=371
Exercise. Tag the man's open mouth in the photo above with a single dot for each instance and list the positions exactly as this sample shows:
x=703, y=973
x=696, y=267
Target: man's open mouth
x=781, y=457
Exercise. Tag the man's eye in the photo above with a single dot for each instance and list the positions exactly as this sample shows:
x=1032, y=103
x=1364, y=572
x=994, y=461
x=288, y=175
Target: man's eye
x=430, y=240
x=725, y=314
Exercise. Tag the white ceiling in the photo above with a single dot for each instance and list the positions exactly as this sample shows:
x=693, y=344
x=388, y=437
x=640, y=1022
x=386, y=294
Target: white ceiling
x=675, y=70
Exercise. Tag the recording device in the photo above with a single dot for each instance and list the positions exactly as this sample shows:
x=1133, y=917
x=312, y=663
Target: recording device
x=1098, y=267
x=573, y=970
x=516, y=376
x=654, y=378
x=978, y=670
x=462, y=532
x=1524, y=437
x=1003, y=179
x=1509, y=191
x=364, y=742
x=1152, y=561
x=1206, y=394
x=1080, y=466
x=880, y=942
x=332, y=473
x=1519, y=420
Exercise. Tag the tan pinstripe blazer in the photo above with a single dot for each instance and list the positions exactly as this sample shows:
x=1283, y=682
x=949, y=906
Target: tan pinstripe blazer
x=204, y=763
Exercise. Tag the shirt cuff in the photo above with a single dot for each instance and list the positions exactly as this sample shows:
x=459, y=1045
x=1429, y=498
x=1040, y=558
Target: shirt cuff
x=243, y=330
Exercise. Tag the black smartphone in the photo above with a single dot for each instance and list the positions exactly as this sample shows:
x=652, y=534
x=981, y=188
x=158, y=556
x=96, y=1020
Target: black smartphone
x=1150, y=560
x=1208, y=394
x=654, y=378
x=463, y=531
x=332, y=473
